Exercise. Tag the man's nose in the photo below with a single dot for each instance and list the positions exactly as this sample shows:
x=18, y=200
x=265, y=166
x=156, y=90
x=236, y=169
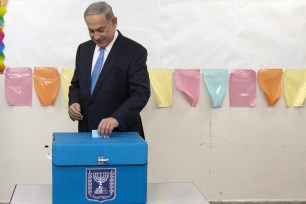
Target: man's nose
x=97, y=35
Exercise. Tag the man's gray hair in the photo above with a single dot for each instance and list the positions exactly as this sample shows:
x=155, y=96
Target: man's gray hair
x=100, y=7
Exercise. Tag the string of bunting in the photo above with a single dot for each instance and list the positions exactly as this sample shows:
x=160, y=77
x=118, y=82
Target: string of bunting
x=241, y=84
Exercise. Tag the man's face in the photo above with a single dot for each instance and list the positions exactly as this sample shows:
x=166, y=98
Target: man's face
x=100, y=30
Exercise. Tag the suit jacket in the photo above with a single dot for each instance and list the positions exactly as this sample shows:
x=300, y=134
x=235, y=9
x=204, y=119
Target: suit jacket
x=122, y=89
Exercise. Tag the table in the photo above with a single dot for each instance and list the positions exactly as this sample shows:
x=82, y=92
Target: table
x=158, y=193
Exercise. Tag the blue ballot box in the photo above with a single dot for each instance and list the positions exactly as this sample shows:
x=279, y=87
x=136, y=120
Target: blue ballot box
x=88, y=170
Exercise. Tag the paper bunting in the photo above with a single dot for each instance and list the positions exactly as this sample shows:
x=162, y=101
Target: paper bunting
x=66, y=76
x=2, y=13
x=161, y=83
x=242, y=85
x=188, y=82
x=46, y=83
x=18, y=86
x=216, y=81
x=295, y=87
x=271, y=82
x=242, y=88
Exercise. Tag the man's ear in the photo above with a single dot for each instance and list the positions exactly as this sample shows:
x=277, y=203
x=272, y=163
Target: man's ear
x=114, y=22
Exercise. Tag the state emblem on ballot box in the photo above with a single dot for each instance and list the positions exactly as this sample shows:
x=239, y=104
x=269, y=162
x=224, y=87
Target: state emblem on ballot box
x=101, y=184
x=96, y=170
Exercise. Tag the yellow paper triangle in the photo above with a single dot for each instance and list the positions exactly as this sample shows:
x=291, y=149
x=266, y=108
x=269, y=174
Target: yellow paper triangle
x=161, y=83
x=66, y=76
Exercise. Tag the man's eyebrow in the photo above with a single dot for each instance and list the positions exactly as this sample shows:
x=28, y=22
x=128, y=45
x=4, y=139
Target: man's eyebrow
x=97, y=28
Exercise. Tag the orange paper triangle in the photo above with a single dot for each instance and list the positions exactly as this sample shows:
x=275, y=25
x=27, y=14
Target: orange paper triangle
x=46, y=83
x=271, y=81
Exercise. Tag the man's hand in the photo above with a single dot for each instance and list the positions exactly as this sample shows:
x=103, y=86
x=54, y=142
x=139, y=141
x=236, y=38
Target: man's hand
x=107, y=125
x=75, y=112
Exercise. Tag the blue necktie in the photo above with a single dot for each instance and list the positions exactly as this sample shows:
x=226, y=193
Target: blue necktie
x=97, y=69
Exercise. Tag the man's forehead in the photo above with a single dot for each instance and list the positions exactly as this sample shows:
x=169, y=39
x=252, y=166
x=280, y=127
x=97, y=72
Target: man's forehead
x=99, y=16
x=96, y=23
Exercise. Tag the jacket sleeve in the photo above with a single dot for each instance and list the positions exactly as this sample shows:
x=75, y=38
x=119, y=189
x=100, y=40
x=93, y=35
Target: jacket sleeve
x=139, y=90
x=74, y=89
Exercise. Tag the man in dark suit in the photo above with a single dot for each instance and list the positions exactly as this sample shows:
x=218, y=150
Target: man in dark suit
x=122, y=88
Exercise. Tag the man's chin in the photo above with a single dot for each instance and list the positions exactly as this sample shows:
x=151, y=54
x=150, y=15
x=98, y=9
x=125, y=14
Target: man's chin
x=99, y=44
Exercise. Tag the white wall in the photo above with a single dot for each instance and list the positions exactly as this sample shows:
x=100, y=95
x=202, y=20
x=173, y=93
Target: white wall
x=229, y=153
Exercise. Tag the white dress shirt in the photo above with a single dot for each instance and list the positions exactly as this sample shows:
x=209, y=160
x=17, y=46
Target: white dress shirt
x=106, y=52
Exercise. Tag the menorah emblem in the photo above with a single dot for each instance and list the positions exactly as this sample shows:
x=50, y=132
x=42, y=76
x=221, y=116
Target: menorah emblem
x=101, y=184
x=100, y=177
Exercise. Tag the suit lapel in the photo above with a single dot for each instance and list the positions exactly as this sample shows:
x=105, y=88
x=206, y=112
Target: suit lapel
x=109, y=63
x=88, y=65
